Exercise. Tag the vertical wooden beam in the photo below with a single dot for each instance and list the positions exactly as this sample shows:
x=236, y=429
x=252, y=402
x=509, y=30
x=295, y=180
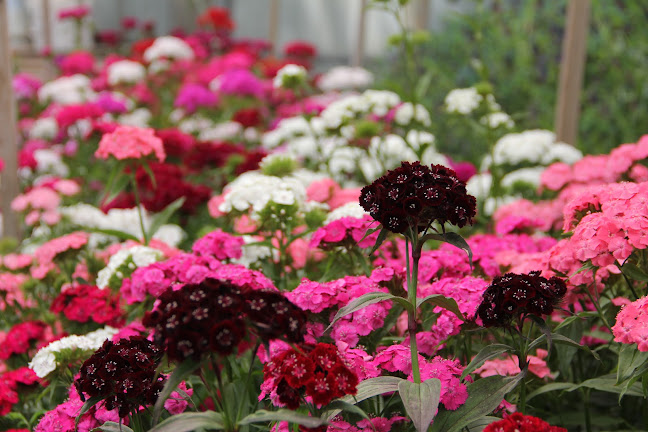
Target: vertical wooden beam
x=47, y=24
x=572, y=67
x=273, y=31
x=358, y=54
x=421, y=13
x=8, y=133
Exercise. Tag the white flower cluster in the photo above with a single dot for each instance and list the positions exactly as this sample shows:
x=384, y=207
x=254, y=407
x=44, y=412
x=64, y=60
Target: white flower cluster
x=220, y=131
x=44, y=362
x=527, y=176
x=139, y=118
x=377, y=102
x=289, y=75
x=67, y=90
x=463, y=100
x=44, y=128
x=345, y=78
x=125, y=72
x=141, y=256
x=350, y=209
x=168, y=47
x=298, y=134
x=533, y=146
x=253, y=191
x=408, y=113
x=253, y=253
x=497, y=119
x=49, y=161
x=125, y=220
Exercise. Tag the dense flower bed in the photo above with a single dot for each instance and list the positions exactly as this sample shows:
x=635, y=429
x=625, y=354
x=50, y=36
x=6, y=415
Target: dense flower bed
x=218, y=237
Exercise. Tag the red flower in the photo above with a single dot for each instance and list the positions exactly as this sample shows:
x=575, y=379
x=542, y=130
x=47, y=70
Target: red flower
x=518, y=422
x=19, y=339
x=218, y=18
x=300, y=49
x=87, y=302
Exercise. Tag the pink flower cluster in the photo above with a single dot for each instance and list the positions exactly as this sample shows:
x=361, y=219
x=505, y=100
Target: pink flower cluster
x=632, y=324
x=187, y=268
x=467, y=292
x=615, y=222
x=331, y=296
x=346, y=231
x=21, y=337
x=220, y=245
x=510, y=366
x=45, y=254
x=620, y=164
x=130, y=142
x=42, y=201
x=11, y=293
x=9, y=384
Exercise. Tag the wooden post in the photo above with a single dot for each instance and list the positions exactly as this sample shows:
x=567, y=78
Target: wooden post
x=358, y=55
x=8, y=133
x=572, y=67
x=47, y=24
x=421, y=10
x=273, y=31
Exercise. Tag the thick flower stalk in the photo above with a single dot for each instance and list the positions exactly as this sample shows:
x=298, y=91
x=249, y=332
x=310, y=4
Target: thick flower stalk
x=409, y=200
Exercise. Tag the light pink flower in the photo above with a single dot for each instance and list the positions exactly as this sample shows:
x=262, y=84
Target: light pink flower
x=130, y=142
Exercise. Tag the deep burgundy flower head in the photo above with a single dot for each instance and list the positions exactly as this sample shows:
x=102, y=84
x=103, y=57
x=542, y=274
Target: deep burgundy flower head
x=123, y=374
x=416, y=195
x=514, y=295
x=217, y=316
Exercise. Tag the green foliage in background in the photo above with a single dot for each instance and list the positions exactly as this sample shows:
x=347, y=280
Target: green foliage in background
x=516, y=46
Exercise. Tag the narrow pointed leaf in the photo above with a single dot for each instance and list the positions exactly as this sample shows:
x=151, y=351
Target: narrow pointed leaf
x=549, y=388
x=179, y=374
x=421, y=401
x=190, y=421
x=561, y=339
x=633, y=272
x=161, y=218
x=484, y=395
x=366, y=300
x=113, y=427
x=443, y=302
x=86, y=407
x=381, y=238
x=263, y=416
x=486, y=353
x=630, y=358
x=458, y=241
x=369, y=388
x=150, y=174
x=122, y=235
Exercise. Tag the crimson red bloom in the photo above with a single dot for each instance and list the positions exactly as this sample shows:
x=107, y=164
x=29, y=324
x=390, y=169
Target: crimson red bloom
x=300, y=49
x=518, y=422
x=87, y=302
x=21, y=337
x=218, y=18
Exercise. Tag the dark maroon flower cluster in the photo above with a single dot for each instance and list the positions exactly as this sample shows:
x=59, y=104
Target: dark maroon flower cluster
x=123, y=374
x=217, y=316
x=513, y=295
x=416, y=195
x=315, y=371
x=88, y=302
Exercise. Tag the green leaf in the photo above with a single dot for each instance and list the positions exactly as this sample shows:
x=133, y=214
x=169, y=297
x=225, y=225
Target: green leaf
x=421, y=401
x=549, y=388
x=366, y=300
x=341, y=405
x=381, y=238
x=484, y=395
x=369, y=388
x=179, y=374
x=113, y=427
x=86, y=407
x=423, y=84
x=607, y=383
x=630, y=358
x=111, y=232
x=162, y=217
x=546, y=331
x=444, y=302
x=560, y=339
x=150, y=174
x=486, y=353
x=116, y=188
x=458, y=241
x=578, y=317
x=263, y=416
x=633, y=272
x=191, y=421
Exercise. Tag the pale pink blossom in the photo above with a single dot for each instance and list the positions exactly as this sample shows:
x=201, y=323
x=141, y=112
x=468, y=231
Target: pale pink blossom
x=130, y=142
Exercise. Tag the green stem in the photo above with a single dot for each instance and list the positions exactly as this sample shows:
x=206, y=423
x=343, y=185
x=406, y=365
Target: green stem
x=140, y=216
x=412, y=281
